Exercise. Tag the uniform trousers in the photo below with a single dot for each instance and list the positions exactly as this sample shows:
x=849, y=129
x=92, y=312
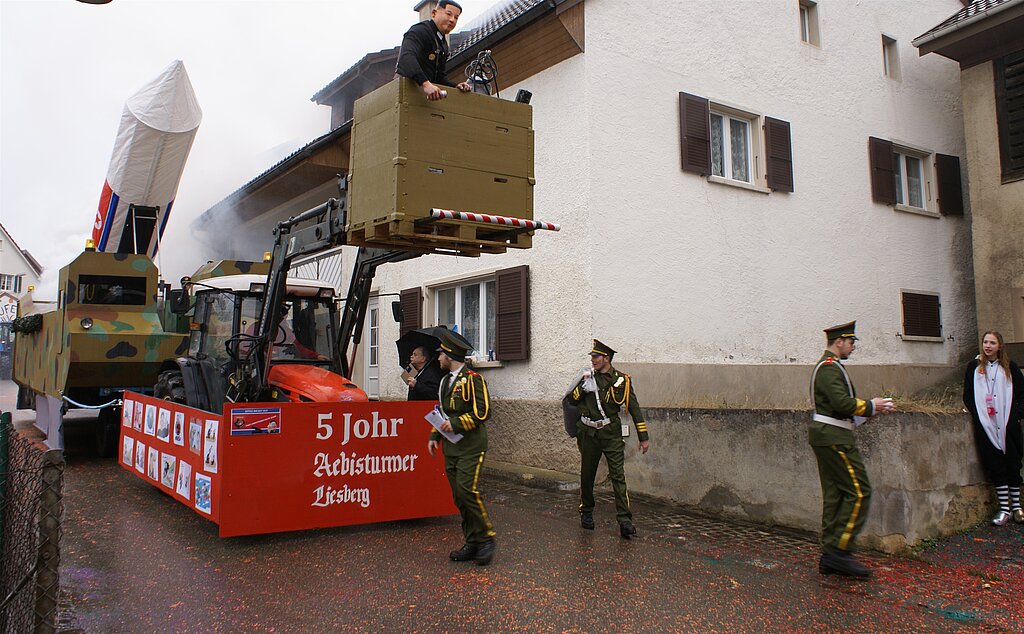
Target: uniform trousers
x=593, y=443
x=845, y=495
x=463, y=471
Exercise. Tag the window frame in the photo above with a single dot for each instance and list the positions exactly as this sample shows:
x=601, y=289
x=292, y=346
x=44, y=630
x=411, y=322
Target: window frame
x=481, y=281
x=926, y=158
x=903, y=317
x=755, y=146
x=810, y=33
x=891, y=58
x=1011, y=167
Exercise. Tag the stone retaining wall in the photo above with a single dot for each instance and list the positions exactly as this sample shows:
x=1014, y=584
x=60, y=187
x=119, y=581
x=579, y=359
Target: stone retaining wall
x=756, y=465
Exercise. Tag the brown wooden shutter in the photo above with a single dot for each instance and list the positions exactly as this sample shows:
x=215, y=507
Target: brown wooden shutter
x=779, y=153
x=1009, y=75
x=883, y=176
x=412, y=310
x=921, y=315
x=951, y=193
x=512, y=314
x=695, y=133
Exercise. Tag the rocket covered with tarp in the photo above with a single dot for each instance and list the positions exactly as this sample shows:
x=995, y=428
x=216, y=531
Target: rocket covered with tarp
x=157, y=128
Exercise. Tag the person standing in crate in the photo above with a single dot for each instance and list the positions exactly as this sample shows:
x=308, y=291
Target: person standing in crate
x=845, y=490
x=424, y=52
x=599, y=396
x=466, y=405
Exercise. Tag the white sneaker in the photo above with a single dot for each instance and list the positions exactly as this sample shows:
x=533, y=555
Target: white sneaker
x=1001, y=518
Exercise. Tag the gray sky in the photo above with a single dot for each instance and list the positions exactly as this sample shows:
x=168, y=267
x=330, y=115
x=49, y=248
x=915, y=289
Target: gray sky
x=66, y=69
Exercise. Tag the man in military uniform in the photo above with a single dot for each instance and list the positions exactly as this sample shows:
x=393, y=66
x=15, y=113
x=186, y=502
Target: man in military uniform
x=845, y=490
x=466, y=405
x=424, y=52
x=599, y=396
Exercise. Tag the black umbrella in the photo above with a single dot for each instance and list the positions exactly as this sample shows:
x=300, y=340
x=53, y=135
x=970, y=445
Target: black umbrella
x=429, y=338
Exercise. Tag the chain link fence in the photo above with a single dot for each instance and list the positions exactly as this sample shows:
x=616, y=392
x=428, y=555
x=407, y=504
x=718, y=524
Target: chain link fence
x=31, y=509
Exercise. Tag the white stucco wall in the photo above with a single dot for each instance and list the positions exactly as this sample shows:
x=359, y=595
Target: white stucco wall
x=672, y=269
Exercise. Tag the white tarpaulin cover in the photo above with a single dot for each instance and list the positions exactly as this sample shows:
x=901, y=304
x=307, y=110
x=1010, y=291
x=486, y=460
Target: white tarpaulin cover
x=157, y=128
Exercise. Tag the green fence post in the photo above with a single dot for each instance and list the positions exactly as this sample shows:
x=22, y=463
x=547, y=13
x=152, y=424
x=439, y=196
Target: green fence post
x=5, y=427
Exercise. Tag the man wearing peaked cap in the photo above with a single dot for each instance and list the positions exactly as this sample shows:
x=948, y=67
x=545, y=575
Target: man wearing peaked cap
x=601, y=392
x=466, y=405
x=845, y=490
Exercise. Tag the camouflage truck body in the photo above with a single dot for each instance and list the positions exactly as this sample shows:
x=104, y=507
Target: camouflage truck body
x=105, y=333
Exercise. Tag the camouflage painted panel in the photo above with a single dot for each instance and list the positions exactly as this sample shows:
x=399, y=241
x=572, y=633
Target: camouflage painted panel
x=219, y=268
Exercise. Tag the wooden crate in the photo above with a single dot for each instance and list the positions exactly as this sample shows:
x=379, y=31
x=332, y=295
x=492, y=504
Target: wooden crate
x=467, y=152
x=454, y=236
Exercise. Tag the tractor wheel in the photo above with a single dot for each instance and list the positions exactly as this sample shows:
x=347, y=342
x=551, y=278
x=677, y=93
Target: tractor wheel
x=170, y=386
x=108, y=431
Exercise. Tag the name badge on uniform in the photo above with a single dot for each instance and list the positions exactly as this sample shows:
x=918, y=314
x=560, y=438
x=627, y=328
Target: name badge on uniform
x=625, y=430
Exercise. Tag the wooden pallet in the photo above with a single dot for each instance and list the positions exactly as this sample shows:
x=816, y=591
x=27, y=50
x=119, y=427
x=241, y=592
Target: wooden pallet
x=428, y=235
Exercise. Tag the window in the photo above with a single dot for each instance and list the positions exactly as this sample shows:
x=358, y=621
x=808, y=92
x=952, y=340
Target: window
x=730, y=147
x=116, y=290
x=374, y=346
x=470, y=310
x=902, y=176
x=10, y=283
x=491, y=311
x=809, y=22
x=725, y=144
x=921, y=315
x=1009, y=77
x=890, y=58
x=909, y=180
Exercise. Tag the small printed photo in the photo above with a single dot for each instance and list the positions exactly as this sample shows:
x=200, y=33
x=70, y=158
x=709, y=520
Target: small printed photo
x=137, y=423
x=167, y=465
x=195, y=437
x=179, y=428
x=210, y=446
x=153, y=470
x=140, y=457
x=126, y=413
x=163, y=425
x=128, y=450
x=184, y=486
x=203, y=493
x=150, y=427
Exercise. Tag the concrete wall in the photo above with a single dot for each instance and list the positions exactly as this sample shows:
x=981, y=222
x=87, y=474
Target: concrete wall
x=997, y=212
x=756, y=465
x=678, y=272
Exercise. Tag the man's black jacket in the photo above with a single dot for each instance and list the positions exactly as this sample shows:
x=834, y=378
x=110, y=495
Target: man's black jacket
x=424, y=55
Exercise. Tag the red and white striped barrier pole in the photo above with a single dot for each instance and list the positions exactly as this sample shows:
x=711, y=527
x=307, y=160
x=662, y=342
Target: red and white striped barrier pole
x=522, y=223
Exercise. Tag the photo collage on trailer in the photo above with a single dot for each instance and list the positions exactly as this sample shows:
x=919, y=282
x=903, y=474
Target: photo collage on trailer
x=166, y=428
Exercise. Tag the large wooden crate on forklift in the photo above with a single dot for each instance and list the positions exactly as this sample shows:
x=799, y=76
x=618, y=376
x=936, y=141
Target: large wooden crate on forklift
x=468, y=152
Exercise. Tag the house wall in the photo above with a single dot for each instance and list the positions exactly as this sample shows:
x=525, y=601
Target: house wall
x=997, y=210
x=691, y=278
x=12, y=262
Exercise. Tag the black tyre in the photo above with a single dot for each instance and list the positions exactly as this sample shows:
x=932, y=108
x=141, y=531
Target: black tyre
x=170, y=386
x=108, y=432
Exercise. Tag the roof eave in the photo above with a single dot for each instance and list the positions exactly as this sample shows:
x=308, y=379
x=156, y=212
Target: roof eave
x=933, y=41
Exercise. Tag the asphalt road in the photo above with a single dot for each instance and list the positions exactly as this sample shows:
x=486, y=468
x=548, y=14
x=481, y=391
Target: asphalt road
x=134, y=560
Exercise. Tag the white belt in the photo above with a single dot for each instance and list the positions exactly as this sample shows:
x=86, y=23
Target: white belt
x=828, y=420
x=596, y=424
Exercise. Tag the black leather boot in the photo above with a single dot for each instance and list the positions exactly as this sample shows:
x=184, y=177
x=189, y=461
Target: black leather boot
x=466, y=553
x=485, y=552
x=842, y=563
x=627, y=530
x=587, y=520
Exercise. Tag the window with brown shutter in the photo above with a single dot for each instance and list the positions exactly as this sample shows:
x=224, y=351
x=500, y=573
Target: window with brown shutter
x=695, y=133
x=921, y=317
x=512, y=314
x=883, y=175
x=951, y=193
x=1009, y=77
x=779, y=152
x=412, y=310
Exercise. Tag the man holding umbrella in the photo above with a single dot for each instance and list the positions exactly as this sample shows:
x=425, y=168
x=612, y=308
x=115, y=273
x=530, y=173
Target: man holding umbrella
x=425, y=377
x=416, y=354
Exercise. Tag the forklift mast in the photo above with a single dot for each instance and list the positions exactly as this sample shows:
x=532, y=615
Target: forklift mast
x=314, y=231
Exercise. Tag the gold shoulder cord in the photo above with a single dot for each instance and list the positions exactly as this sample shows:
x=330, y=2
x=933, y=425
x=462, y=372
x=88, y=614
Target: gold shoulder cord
x=487, y=401
x=625, y=392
